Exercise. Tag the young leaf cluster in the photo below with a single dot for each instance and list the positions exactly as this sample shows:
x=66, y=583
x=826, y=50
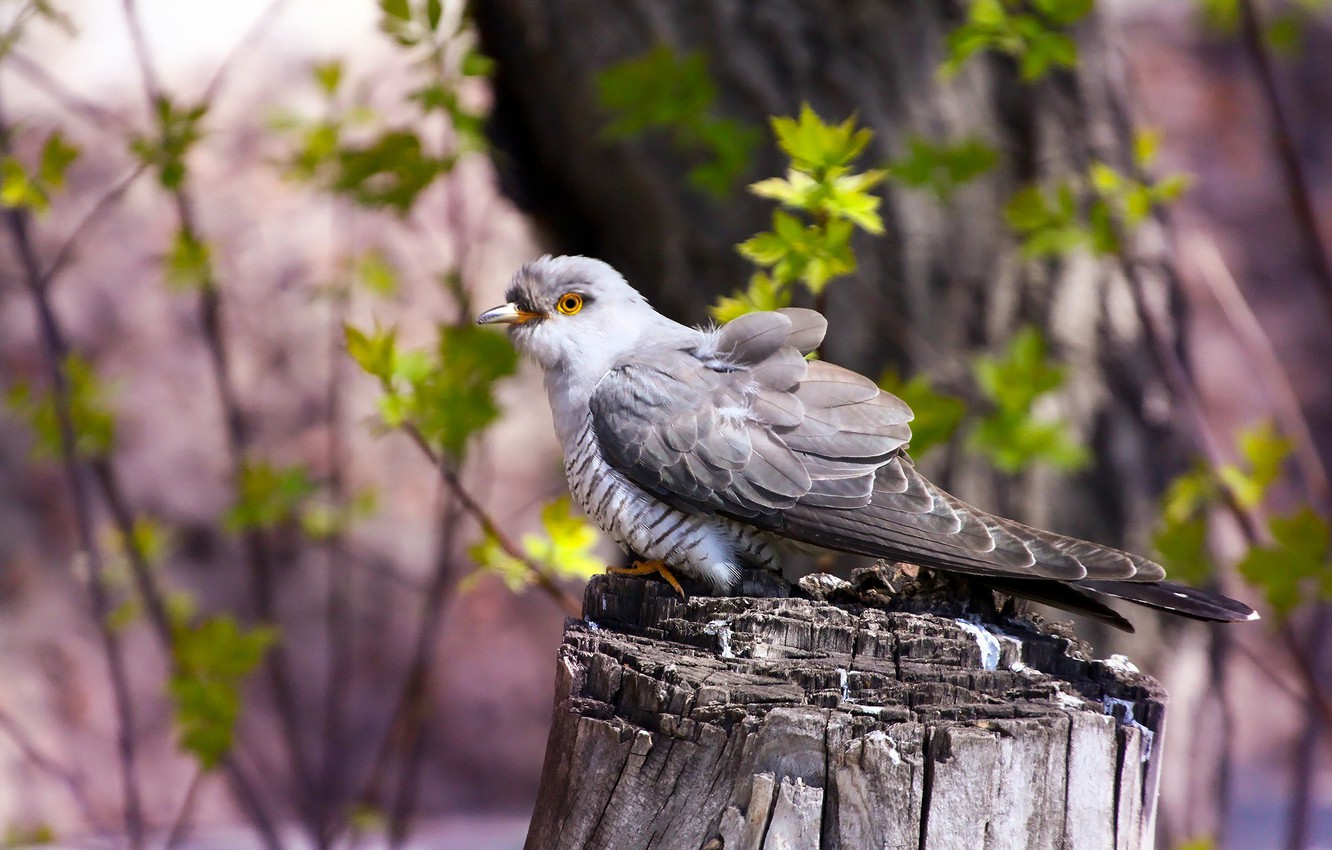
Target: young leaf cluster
x=446, y=394
x=1096, y=211
x=1032, y=32
x=567, y=546
x=664, y=90
x=942, y=168
x=1012, y=435
x=827, y=201
x=1283, y=28
x=21, y=188
x=93, y=421
x=391, y=167
x=1295, y=565
x=212, y=660
x=937, y=415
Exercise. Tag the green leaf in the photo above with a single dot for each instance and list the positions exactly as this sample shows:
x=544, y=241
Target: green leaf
x=1265, y=450
x=943, y=168
x=569, y=541
x=1181, y=545
x=937, y=416
x=391, y=171
x=476, y=64
x=662, y=89
x=212, y=661
x=763, y=293
x=658, y=89
x=18, y=190
x=375, y=352
x=268, y=496
x=37, y=835
x=566, y=546
x=1146, y=145
x=1047, y=221
x=90, y=415
x=1295, y=569
x=1189, y=494
x=395, y=9
x=57, y=155
x=1036, y=41
x=178, y=129
x=455, y=400
x=1012, y=436
x=187, y=265
x=816, y=147
x=376, y=273
x=328, y=76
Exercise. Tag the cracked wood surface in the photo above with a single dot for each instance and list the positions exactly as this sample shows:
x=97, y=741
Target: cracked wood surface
x=766, y=723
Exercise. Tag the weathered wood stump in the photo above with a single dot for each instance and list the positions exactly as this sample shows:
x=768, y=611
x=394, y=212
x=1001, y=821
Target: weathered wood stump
x=836, y=722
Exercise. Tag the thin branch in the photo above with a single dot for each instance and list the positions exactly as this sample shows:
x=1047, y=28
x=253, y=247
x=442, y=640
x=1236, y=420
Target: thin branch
x=55, y=352
x=65, y=253
x=409, y=716
x=1292, y=169
x=541, y=574
x=257, y=29
x=336, y=606
x=72, y=781
x=255, y=543
x=93, y=114
x=1262, y=357
x=180, y=824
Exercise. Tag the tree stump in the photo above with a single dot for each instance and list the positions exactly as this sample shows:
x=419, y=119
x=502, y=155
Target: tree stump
x=839, y=721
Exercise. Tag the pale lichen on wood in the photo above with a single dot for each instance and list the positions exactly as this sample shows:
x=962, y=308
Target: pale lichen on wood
x=763, y=723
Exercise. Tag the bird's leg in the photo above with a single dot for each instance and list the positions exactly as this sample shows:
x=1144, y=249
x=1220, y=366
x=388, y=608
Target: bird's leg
x=647, y=568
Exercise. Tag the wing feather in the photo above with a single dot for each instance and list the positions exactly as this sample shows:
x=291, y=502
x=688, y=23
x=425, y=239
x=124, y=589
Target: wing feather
x=743, y=425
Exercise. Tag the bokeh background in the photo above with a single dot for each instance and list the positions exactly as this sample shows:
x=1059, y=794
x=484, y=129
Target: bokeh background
x=439, y=674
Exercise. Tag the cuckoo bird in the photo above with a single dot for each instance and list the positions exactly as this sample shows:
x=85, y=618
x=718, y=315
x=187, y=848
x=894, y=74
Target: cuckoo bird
x=707, y=450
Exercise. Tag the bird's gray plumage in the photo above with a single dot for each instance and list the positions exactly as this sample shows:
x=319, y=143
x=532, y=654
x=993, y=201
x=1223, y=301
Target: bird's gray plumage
x=709, y=449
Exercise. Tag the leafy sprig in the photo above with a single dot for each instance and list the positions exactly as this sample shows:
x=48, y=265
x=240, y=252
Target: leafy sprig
x=1095, y=211
x=828, y=201
x=665, y=90
x=1033, y=32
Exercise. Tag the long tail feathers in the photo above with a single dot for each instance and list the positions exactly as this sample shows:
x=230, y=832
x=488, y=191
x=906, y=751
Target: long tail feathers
x=1176, y=599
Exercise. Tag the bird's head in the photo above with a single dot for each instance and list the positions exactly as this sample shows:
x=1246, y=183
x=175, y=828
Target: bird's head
x=567, y=310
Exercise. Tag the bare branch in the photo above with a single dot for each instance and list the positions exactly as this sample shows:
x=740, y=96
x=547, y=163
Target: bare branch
x=65, y=253
x=541, y=573
x=45, y=763
x=256, y=31
x=55, y=351
x=1262, y=357
x=1283, y=140
x=93, y=114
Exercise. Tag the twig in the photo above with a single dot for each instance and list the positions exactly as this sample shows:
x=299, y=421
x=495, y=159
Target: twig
x=180, y=824
x=104, y=204
x=1292, y=169
x=55, y=352
x=251, y=36
x=409, y=714
x=1262, y=357
x=1305, y=761
x=255, y=544
x=336, y=607
x=93, y=114
x=72, y=782
x=541, y=574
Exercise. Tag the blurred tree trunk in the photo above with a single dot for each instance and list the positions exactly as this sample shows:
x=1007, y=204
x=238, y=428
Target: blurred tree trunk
x=945, y=282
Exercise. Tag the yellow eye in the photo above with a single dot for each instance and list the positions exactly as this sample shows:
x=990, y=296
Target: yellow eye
x=569, y=303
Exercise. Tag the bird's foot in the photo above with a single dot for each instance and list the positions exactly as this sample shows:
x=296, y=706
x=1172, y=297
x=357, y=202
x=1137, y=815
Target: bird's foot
x=647, y=568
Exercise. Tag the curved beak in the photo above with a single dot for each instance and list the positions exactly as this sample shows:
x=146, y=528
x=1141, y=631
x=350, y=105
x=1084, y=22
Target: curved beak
x=506, y=314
